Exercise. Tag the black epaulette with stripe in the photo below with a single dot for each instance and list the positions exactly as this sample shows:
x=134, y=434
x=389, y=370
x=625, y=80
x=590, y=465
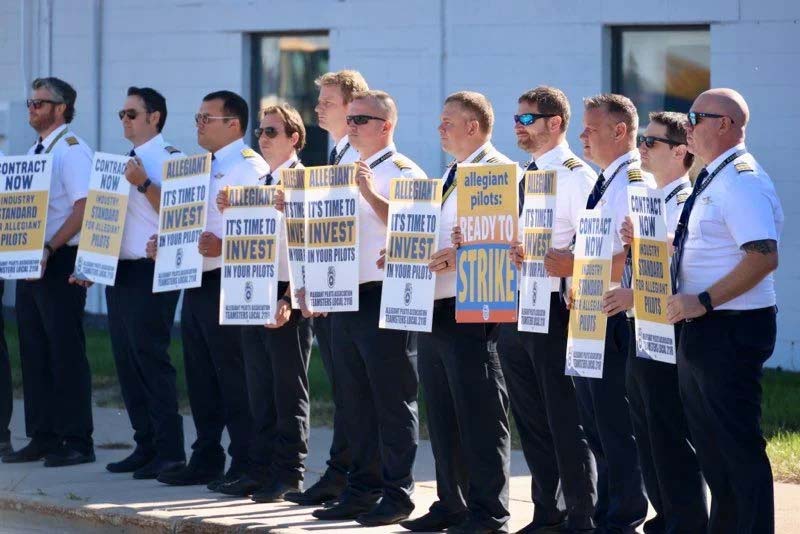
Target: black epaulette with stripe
x=682, y=197
x=72, y=141
x=402, y=163
x=171, y=149
x=572, y=163
x=248, y=153
x=743, y=166
x=634, y=176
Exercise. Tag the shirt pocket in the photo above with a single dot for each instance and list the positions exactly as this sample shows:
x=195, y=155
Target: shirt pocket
x=707, y=222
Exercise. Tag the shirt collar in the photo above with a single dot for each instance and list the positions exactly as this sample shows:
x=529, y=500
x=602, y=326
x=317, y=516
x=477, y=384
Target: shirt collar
x=55, y=133
x=155, y=142
x=342, y=143
x=718, y=161
x=609, y=171
x=286, y=163
x=230, y=149
x=670, y=187
x=489, y=149
x=380, y=153
x=554, y=155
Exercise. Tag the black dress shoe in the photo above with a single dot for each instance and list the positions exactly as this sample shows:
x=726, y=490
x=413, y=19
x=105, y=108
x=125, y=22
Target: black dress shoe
x=470, y=527
x=157, y=466
x=242, y=487
x=66, y=456
x=275, y=491
x=386, y=513
x=32, y=452
x=191, y=475
x=433, y=522
x=347, y=508
x=329, y=487
x=5, y=448
x=135, y=460
x=233, y=474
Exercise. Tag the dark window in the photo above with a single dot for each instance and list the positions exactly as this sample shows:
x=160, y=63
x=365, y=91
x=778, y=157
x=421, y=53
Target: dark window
x=661, y=67
x=284, y=69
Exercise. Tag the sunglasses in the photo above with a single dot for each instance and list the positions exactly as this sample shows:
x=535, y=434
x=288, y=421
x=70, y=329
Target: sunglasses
x=361, y=120
x=205, y=118
x=270, y=131
x=526, y=119
x=650, y=141
x=695, y=116
x=130, y=113
x=39, y=102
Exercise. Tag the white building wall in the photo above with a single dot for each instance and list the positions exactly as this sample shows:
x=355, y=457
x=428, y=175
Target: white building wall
x=419, y=51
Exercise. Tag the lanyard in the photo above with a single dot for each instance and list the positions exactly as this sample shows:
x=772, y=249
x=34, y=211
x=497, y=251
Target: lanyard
x=381, y=159
x=340, y=155
x=58, y=137
x=608, y=182
x=482, y=154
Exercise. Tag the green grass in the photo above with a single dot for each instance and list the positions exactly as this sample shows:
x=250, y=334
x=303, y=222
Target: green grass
x=781, y=404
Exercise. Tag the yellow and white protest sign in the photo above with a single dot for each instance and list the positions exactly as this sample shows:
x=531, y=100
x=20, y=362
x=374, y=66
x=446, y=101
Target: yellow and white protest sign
x=103, y=220
x=251, y=249
x=591, y=276
x=181, y=221
x=538, y=214
x=24, y=195
x=294, y=191
x=655, y=335
x=413, y=236
x=332, y=272
x=488, y=213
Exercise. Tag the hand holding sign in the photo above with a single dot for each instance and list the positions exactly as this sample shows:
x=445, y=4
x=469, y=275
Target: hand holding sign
x=222, y=199
x=617, y=300
x=210, y=246
x=280, y=200
x=443, y=261
x=283, y=312
x=135, y=173
x=516, y=253
x=78, y=282
x=559, y=262
x=626, y=232
x=364, y=179
x=681, y=307
x=151, y=250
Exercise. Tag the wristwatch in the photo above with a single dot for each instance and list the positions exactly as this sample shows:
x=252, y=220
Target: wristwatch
x=49, y=248
x=705, y=300
x=143, y=188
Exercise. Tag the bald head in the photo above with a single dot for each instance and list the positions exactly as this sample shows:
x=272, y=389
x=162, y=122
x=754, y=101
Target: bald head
x=726, y=102
x=723, y=125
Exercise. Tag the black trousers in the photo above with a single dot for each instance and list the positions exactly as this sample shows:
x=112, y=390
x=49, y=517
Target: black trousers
x=6, y=399
x=720, y=360
x=140, y=323
x=670, y=470
x=378, y=381
x=563, y=473
x=214, y=377
x=339, y=460
x=603, y=407
x=276, y=367
x=56, y=379
x=467, y=407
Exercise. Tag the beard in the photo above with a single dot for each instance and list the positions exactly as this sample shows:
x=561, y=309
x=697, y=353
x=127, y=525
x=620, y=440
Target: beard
x=533, y=142
x=43, y=122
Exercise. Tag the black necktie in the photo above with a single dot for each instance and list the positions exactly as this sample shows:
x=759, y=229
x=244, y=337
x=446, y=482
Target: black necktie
x=627, y=272
x=39, y=147
x=451, y=175
x=268, y=179
x=597, y=193
x=213, y=157
x=682, y=231
x=531, y=167
x=132, y=153
x=332, y=157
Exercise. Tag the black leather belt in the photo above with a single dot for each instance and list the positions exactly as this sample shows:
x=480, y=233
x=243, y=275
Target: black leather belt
x=735, y=313
x=369, y=286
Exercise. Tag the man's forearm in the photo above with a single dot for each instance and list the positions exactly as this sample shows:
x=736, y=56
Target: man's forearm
x=379, y=205
x=70, y=227
x=153, y=196
x=761, y=258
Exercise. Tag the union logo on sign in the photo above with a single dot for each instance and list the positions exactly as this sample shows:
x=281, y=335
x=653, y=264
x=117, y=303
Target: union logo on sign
x=248, y=291
x=179, y=257
x=485, y=312
x=407, y=294
x=331, y=276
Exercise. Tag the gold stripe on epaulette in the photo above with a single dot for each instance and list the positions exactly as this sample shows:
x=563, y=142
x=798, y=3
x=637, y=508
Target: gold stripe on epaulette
x=572, y=163
x=682, y=197
x=493, y=159
x=743, y=166
x=71, y=141
x=634, y=175
x=402, y=163
x=248, y=153
x=171, y=149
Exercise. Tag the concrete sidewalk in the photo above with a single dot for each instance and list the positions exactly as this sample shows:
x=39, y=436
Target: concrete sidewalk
x=120, y=504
